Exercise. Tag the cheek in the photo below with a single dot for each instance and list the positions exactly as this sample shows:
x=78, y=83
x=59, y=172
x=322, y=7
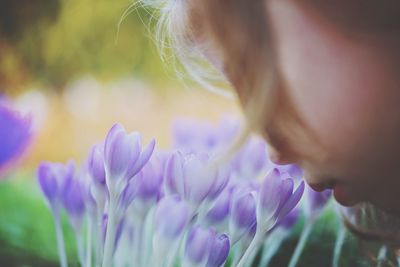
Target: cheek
x=345, y=90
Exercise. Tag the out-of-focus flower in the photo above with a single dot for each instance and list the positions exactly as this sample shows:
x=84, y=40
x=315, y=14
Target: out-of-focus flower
x=172, y=216
x=242, y=214
x=198, y=246
x=219, y=251
x=171, y=221
x=15, y=134
x=251, y=159
x=315, y=202
x=55, y=182
x=221, y=208
x=192, y=178
x=193, y=136
x=52, y=178
x=96, y=164
x=74, y=201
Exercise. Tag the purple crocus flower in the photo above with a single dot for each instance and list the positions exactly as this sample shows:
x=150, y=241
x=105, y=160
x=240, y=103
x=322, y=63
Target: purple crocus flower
x=74, y=202
x=191, y=136
x=95, y=165
x=220, y=210
x=219, y=251
x=315, y=201
x=251, y=159
x=172, y=216
x=123, y=154
x=276, y=199
x=193, y=179
x=198, y=246
x=242, y=213
x=15, y=135
x=53, y=178
x=97, y=187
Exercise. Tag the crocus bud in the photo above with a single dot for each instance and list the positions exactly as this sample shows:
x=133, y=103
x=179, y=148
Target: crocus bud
x=123, y=156
x=52, y=178
x=251, y=159
x=121, y=151
x=96, y=165
x=193, y=179
x=220, y=210
x=48, y=182
x=276, y=199
x=73, y=200
x=242, y=213
x=15, y=134
x=315, y=201
x=290, y=220
x=172, y=216
x=149, y=182
x=219, y=251
x=198, y=246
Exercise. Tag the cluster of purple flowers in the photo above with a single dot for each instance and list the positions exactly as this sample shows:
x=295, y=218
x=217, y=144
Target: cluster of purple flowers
x=132, y=205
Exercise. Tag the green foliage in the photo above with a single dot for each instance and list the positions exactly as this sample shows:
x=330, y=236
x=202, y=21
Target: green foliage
x=27, y=233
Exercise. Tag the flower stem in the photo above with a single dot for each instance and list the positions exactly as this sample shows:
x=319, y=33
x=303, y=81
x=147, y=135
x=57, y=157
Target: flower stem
x=301, y=244
x=338, y=246
x=271, y=246
x=99, y=238
x=110, y=234
x=138, y=241
x=60, y=240
x=89, y=243
x=381, y=256
x=250, y=250
x=81, y=251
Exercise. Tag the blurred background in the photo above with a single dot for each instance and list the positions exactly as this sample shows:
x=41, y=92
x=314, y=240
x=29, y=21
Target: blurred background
x=78, y=72
x=70, y=66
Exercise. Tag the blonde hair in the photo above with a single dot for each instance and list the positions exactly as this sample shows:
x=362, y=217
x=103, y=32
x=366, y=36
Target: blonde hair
x=234, y=29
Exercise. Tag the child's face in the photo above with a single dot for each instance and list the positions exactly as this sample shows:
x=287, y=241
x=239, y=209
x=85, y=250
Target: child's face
x=339, y=73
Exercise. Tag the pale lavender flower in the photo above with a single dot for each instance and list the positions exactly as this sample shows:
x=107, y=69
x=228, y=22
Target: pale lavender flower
x=198, y=246
x=251, y=159
x=15, y=134
x=276, y=199
x=95, y=165
x=220, y=210
x=172, y=216
x=52, y=178
x=242, y=213
x=171, y=221
x=192, y=178
x=219, y=251
x=123, y=154
x=74, y=201
x=191, y=136
x=315, y=202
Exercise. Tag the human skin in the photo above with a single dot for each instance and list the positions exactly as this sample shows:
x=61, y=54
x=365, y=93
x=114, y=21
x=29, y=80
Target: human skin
x=338, y=75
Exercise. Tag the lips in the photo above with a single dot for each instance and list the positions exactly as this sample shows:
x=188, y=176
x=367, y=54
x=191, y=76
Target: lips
x=320, y=187
x=341, y=192
x=344, y=196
